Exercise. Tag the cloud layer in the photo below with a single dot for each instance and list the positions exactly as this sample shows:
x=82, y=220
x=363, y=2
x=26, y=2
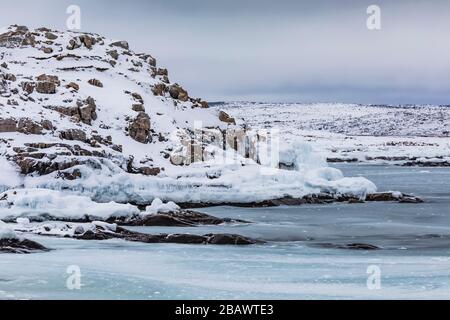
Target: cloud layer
x=276, y=50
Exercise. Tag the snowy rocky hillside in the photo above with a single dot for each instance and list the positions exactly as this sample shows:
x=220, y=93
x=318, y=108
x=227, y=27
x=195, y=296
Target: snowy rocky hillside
x=85, y=115
x=403, y=135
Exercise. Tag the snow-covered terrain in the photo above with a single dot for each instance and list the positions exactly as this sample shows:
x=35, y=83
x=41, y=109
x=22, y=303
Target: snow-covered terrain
x=405, y=135
x=85, y=115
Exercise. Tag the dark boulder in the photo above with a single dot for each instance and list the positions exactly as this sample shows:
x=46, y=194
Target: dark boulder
x=139, y=128
x=15, y=245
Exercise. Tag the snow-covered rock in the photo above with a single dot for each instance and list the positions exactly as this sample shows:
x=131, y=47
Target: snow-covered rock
x=84, y=115
x=158, y=206
x=36, y=203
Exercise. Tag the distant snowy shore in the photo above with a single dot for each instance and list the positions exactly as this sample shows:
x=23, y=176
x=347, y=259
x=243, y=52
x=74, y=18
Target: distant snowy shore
x=403, y=135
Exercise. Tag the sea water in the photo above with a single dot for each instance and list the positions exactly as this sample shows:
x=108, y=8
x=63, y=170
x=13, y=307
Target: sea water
x=294, y=263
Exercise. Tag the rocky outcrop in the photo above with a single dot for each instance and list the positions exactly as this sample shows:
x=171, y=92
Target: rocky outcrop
x=84, y=111
x=20, y=36
x=24, y=125
x=320, y=198
x=122, y=233
x=8, y=125
x=139, y=128
x=182, y=218
x=160, y=89
x=51, y=36
x=349, y=246
x=88, y=41
x=47, y=84
x=28, y=126
x=73, y=134
x=73, y=85
x=95, y=83
x=28, y=87
x=177, y=92
x=138, y=107
x=149, y=171
x=224, y=117
x=393, y=196
x=121, y=44
x=16, y=245
x=105, y=231
x=87, y=111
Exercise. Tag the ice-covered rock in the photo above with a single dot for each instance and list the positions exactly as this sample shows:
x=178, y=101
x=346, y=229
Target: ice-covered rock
x=158, y=206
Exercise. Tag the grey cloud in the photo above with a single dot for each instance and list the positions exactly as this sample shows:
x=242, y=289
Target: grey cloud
x=277, y=50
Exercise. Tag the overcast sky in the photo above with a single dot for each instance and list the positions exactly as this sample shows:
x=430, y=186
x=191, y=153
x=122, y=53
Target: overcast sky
x=284, y=50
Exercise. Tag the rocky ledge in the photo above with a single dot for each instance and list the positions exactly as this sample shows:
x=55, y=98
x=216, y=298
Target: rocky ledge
x=16, y=245
x=105, y=231
x=125, y=234
x=181, y=218
x=321, y=198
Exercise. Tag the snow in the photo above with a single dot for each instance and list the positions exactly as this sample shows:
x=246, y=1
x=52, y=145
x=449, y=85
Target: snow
x=6, y=232
x=61, y=229
x=43, y=202
x=158, y=206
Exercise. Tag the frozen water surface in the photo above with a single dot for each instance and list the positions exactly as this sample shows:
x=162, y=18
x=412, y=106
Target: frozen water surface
x=414, y=259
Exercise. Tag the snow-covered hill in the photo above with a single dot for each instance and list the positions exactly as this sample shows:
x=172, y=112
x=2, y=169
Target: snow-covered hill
x=404, y=135
x=86, y=115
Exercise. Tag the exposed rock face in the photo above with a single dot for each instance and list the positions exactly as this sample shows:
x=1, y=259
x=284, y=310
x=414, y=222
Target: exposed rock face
x=121, y=44
x=10, y=77
x=46, y=87
x=139, y=128
x=24, y=125
x=95, y=83
x=114, y=54
x=84, y=111
x=73, y=86
x=47, y=50
x=393, y=196
x=122, y=233
x=223, y=116
x=8, y=125
x=28, y=87
x=177, y=92
x=148, y=171
x=28, y=126
x=138, y=107
x=88, y=41
x=47, y=84
x=182, y=218
x=74, y=44
x=160, y=89
x=87, y=111
x=73, y=134
x=21, y=36
x=51, y=36
x=350, y=246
